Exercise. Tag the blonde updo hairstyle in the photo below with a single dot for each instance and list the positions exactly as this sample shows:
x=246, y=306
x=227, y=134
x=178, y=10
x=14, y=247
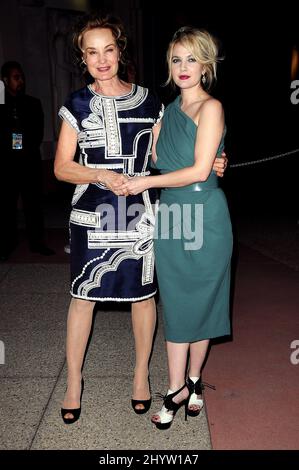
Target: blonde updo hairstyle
x=202, y=46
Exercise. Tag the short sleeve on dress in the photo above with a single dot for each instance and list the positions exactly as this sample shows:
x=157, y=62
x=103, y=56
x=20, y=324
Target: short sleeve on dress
x=66, y=113
x=159, y=110
x=161, y=113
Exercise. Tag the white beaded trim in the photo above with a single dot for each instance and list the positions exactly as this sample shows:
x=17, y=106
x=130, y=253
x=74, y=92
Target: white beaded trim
x=85, y=218
x=116, y=299
x=65, y=114
x=131, y=119
x=161, y=114
x=90, y=262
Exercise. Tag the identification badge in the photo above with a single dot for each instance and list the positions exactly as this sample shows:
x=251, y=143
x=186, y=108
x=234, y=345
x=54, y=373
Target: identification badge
x=17, y=141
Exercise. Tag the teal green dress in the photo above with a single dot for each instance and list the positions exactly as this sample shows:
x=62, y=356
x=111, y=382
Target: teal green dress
x=192, y=241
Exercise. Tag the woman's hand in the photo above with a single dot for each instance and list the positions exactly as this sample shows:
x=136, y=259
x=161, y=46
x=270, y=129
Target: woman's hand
x=220, y=164
x=136, y=185
x=114, y=182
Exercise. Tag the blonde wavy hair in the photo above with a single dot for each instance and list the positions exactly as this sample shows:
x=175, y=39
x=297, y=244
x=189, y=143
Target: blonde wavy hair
x=204, y=48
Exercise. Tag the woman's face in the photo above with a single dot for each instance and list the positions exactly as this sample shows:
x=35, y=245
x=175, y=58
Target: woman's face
x=185, y=71
x=100, y=53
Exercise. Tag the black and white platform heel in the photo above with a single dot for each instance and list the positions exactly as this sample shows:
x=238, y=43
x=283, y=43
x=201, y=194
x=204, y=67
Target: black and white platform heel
x=196, y=387
x=169, y=409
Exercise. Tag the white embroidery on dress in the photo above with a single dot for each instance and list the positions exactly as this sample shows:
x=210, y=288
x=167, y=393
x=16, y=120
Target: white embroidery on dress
x=106, y=166
x=96, y=105
x=113, y=147
x=85, y=218
x=93, y=121
x=161, y=114
x=134, y=244
x=65, y=114
x=87, y=264
x=97, y=273
x=149, y=262
x=101, y=129
x=140, y=173
x=135, y=143
x=133, y=101
x=116, y=299
x=79, y=190
x=94, y=136
x=148, y=151
x=136, y=120
x=126, y=96
x=118, y=239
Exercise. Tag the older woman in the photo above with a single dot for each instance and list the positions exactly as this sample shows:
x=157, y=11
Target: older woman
x=111, y=247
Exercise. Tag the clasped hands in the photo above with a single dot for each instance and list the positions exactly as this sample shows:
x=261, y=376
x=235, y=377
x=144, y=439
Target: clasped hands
x=116, y=182
x=123, y=185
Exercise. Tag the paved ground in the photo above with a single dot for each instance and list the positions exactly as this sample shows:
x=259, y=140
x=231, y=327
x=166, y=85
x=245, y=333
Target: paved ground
x=255, y=405
x=256, y=373
x=34, y=302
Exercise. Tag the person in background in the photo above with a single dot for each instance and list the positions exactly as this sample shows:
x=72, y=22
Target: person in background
x=21, y=130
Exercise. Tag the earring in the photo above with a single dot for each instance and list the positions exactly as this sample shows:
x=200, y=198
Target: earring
x=204, y=78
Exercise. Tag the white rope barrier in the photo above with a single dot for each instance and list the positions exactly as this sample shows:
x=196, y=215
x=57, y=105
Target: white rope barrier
x=286, y=154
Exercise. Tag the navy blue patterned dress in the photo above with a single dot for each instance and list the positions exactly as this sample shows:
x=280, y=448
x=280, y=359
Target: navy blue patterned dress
x=112, y=237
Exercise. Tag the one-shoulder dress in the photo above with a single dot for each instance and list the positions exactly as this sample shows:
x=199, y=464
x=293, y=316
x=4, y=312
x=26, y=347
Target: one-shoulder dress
x=111, y=237
x=192, y=242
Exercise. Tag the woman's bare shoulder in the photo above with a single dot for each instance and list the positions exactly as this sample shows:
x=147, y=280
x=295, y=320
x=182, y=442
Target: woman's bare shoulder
x=212, y=105
x=211, y=109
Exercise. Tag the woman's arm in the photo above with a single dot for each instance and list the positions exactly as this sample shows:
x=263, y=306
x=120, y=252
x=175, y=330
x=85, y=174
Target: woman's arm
x=66, y=169
x=208, y=138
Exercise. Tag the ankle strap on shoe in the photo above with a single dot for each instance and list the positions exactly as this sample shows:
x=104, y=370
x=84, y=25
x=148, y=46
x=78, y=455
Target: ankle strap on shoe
x=167, y=399
x=198, y=386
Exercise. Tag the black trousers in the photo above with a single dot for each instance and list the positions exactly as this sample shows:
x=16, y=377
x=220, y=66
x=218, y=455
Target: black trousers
x=21, y=177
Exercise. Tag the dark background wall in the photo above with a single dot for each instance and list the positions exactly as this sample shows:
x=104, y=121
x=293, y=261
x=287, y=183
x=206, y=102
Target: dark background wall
x=254, y=86
x=253, y=81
